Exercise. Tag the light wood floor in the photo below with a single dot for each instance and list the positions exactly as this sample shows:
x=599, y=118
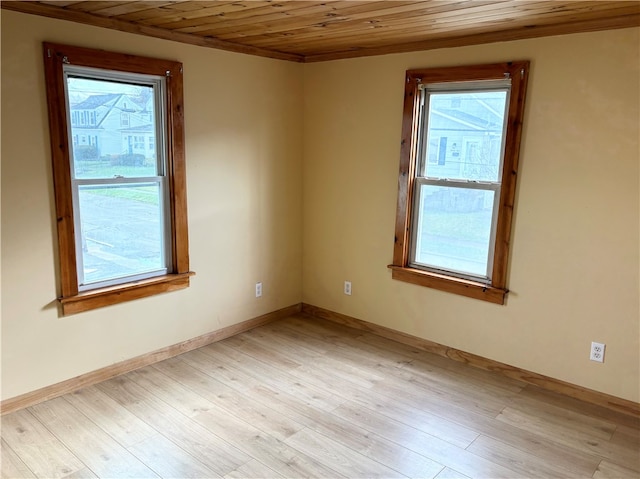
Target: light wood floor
x=308, y=398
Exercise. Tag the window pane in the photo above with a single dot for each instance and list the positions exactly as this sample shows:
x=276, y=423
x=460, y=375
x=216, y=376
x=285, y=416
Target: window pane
x=115, y=122
x=454, y=229
x=121, y=230
x=464, y=135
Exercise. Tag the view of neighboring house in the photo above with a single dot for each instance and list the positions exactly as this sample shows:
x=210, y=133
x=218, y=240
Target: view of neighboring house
x=112, y=125
x=465, y=135
x=464, y=142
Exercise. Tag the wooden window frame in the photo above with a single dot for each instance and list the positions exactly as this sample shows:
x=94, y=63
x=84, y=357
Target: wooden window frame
x=496, y=291
x=71, y=300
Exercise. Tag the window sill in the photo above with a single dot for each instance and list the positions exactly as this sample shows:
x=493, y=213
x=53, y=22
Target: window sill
x=449, y=284
x=98, y=298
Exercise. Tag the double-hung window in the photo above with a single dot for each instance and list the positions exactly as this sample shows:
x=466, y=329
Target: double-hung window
x=457, y=180
x=120, y=200
x=121, y=207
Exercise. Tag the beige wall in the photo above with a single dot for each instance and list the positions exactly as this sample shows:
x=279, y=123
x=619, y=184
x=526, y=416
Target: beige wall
x=243, y=119
x=574, y=262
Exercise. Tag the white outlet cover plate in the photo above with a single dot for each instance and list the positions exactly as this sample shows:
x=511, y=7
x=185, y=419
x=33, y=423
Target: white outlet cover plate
x=597, y=352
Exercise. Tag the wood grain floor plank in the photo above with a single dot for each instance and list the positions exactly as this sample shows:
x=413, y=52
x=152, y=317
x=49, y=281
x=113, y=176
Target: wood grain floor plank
x=420, y=419
x=303, y=397
x=435, y=448
x=572, y=404
x=172, y=393
x=219, y=370
x=425, y=360
x=462, y=412
x=231, y=401
x=168, y=460
x=570, y=419
x=11, y=466
x=584, y=462
x=336, y=330
x=330, y=347
x=420, y=394
x=124, y=427
x=271, y=452
x=88, y=441
x=248, y=367
x=353, y=351
x=210, y=449
x=313, y=358
x=37, y=447
x=480, y=384
x=253, y=470
x=465, y=377
x=383, y=378
x=360, y=345
x=344, y=460
x=417, y=411
x=265, y=447
x=466, y=397
x=564, y=434
x=370, y=444
x=609, y=470
x=341, y=344
x=262, y=373
x=84, y=473
x=307, y=373
x=435, y=360
x=522, y=462
x=271, y=358
x=448, y=473
x=627, y=437
x=403, y=433
x=345, y=384
x=398, y=458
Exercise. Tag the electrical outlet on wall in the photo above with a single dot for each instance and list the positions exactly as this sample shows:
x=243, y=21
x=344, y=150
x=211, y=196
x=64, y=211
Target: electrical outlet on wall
x=258, y=290
x=347, y=288
x=597, y=352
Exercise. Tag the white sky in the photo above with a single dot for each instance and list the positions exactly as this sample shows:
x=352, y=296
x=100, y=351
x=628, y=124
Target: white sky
x=82, y=88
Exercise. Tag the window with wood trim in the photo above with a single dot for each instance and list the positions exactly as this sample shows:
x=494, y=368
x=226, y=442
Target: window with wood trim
x=121, y=202
x=458, y=168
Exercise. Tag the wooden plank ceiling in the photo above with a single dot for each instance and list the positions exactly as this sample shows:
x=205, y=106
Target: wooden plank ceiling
x=308, y=31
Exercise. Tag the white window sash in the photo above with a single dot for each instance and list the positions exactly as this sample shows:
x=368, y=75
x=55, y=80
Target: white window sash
x=474, y=185
x=421, y=168
x=159, y=88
